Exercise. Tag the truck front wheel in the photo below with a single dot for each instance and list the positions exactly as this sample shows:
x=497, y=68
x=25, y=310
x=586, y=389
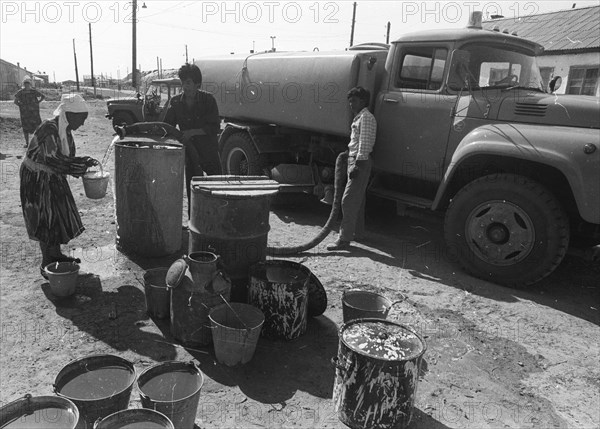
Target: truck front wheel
x=507, y=229
x=239, y=157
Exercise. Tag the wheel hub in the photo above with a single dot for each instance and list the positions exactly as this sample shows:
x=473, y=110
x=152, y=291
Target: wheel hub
x=500, y=232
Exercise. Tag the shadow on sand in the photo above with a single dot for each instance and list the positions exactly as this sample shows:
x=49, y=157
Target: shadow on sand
x=114, y=318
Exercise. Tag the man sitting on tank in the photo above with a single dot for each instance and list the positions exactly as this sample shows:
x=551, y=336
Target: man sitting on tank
x=196, y=114
x=362, y=139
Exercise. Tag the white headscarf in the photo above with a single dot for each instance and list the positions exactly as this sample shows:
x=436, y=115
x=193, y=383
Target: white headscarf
x=68, y=103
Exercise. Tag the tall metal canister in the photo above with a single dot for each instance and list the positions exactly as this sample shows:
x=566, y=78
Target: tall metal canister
x=149, y=176
x=230, y=217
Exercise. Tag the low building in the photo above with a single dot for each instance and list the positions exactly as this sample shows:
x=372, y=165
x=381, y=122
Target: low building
x=11, y=79
x=571, y=41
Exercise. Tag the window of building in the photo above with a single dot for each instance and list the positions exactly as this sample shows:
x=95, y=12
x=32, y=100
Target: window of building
x=583, y=80
x=422, y=68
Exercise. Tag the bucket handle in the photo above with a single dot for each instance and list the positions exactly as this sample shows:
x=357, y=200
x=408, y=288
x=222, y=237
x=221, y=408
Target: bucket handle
x=398, y=301
x=27, y=399
x=194, y=365
x=101, y=169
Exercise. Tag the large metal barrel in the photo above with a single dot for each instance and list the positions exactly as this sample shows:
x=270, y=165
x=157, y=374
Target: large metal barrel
x=149, y=176
x=377, y=371
x=230, y=217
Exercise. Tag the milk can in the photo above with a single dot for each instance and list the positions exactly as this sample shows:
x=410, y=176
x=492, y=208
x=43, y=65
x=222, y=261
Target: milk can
x=197, y=285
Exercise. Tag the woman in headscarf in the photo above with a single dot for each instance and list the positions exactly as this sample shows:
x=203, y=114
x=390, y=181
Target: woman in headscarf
x=50, y=213
x=28, y=99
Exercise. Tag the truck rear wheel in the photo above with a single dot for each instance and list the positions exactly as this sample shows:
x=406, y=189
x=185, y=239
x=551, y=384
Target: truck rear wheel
x=507, y=229
x=122, y=118
x=239, y=157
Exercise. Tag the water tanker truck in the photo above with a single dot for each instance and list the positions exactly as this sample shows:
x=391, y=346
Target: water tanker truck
x=465, y=128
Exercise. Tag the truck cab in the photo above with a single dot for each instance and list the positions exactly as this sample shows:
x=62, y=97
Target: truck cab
x=466, y=127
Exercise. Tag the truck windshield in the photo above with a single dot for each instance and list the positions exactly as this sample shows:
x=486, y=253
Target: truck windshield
x=485, y=66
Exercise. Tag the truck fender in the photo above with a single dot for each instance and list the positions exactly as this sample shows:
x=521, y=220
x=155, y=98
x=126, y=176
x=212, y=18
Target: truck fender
x=231, y=128
x=562, y=148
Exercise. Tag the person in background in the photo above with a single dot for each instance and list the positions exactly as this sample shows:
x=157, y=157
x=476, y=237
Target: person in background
x=51, y=216
x=362, y=139
x=196, y=114
x=28, y=99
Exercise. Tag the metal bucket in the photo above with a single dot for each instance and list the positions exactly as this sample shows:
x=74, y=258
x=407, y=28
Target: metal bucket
x=279, y=289
x=358, y=304
x=235, y=330
x=158, y=297
x=173, y=389
x=230, y=217
x=95, y=183
x=99, y=385
x=62, y=277
x=377, y=370
x=141, y=418
x=149, y=196
x=40, y=412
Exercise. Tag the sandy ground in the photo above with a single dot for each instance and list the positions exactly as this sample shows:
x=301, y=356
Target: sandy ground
x=496, y=357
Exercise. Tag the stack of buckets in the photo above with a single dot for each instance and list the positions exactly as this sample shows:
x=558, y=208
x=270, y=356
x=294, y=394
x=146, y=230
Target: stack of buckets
x=199, y=308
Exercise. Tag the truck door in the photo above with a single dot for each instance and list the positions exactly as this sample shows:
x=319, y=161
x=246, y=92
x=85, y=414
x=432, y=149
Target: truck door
x=413, y=116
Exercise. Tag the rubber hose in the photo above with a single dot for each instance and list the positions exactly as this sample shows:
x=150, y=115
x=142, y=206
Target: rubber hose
x=341, y=168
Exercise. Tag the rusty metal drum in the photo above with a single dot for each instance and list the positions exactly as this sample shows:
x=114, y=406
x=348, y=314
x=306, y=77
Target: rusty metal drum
x=376, y=376
x=279, y=289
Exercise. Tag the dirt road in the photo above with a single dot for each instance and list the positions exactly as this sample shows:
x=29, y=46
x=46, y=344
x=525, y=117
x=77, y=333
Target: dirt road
x=496, y=357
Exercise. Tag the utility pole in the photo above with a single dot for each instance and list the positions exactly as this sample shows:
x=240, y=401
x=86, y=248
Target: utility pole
x=157, y=67
x=92, y=59
x=186, y=55
x=133, y=44
x=353, y=21
x=272, y=43
x=387, y=36
x=161, y=73
x=76, y=72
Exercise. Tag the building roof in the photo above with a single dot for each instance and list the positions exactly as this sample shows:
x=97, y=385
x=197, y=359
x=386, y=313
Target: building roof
x=565, y=30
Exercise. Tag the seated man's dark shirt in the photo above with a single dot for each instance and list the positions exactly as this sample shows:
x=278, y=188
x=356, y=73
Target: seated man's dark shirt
x=204, y=114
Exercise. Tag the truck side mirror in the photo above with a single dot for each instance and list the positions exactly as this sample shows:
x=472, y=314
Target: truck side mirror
x=555, y=83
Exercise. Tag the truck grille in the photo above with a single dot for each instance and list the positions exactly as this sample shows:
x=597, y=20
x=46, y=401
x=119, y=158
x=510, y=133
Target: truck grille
x=527, y=109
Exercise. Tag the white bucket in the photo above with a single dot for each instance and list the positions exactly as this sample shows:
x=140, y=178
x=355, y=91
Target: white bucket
x=95, y=183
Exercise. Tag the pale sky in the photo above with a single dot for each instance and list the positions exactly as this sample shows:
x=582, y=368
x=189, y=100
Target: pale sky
x=39, y=34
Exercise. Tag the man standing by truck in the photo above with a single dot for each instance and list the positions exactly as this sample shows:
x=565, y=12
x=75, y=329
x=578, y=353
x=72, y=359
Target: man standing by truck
x=362, y=139
x=197, y=115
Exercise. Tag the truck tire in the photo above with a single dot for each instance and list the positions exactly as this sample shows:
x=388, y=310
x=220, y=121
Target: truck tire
x=507, y=229
x=239, y=157
x=122, y=118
